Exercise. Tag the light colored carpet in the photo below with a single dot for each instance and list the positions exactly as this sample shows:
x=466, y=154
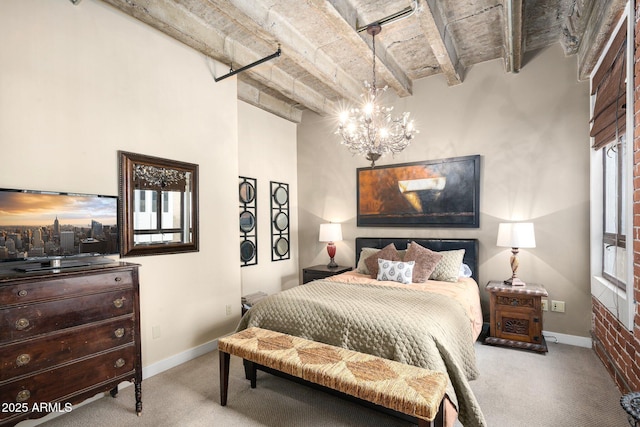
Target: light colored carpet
x=567, y=387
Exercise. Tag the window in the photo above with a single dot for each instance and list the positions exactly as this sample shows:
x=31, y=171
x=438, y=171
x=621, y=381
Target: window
x=612, y=166
x=614, y=208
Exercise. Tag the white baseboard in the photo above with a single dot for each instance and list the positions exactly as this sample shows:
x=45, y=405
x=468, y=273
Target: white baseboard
x=558, y=338
x=178, y=359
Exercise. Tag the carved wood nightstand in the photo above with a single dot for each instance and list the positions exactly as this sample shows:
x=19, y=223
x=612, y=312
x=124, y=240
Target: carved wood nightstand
x=516, y=316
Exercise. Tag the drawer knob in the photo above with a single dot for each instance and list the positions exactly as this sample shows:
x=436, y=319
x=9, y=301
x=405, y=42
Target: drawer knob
x=118, y=279
x=119, y=303
x=119, y=333
x=22, y=323
x=23, y=395
x=119, y=363
x=23, y=359
x=22, y=293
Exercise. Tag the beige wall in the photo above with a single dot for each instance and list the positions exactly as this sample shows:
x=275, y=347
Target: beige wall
x=531, y=130
x=267, y=152
x=79, y=83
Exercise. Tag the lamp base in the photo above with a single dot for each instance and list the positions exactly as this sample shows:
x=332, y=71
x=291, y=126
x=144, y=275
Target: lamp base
x=514, y=281
x=332, y=264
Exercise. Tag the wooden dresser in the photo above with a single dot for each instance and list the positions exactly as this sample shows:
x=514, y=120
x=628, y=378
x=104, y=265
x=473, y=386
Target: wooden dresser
x=65, y=336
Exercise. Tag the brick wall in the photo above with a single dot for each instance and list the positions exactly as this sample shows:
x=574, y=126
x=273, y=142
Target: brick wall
x=617, y=347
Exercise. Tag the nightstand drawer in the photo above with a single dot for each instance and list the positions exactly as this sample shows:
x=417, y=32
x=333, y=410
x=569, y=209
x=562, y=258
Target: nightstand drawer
x=521, y=301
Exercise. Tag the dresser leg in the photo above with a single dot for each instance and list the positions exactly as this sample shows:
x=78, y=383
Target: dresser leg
x=138, y=388
x=114, y=392
x=224, y=377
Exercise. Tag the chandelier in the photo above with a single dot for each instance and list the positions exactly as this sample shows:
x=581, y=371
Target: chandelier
x=370, y=130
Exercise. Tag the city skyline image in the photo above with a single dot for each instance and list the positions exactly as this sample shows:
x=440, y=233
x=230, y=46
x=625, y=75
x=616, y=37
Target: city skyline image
x=41, y=209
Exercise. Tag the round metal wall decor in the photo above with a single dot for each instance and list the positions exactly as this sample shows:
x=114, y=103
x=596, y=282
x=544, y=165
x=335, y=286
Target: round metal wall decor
x=247, y=194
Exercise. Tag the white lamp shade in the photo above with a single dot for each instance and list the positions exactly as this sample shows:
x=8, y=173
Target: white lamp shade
x=330, y=232
x=516, y=235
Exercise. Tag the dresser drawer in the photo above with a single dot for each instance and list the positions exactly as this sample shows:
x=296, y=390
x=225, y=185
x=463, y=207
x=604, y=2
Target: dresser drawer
x=25, y=357
x=58, y=385
x=26, y=321
x=37, y=290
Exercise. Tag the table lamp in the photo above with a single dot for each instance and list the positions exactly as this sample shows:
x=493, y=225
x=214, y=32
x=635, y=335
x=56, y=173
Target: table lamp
x=515, y=235
x=331, y=233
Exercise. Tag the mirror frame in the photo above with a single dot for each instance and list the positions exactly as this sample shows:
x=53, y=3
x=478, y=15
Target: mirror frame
x=126, y=189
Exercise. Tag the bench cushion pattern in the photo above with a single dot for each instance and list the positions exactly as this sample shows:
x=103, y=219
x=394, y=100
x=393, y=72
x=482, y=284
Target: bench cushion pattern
x=404, y=388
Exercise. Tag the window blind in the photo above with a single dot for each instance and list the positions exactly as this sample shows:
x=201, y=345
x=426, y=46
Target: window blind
x=609, y=85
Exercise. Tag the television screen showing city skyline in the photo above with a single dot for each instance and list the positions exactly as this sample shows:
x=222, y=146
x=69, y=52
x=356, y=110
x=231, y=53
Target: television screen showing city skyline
x=44, y=224
x=22, y=208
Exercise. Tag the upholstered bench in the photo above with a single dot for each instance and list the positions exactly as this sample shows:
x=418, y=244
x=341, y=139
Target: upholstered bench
x=407, y=389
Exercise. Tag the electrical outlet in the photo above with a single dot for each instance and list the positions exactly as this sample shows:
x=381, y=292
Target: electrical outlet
x=545, y=304
x=557, y=306
x=155, y=332
x=228, y=310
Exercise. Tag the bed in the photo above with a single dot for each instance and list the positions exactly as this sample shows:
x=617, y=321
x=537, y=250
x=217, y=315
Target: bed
x=432, y=325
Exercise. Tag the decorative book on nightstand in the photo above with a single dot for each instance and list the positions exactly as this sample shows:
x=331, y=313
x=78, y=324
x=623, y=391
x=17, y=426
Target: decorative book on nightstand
x=516, y=316
x=321, y=271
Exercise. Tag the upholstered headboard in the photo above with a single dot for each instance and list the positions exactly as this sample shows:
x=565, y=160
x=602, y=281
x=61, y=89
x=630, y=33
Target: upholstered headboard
x=470, y=247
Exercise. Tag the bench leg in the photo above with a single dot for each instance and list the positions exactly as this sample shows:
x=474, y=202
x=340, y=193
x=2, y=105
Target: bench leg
x=438, y=421
x=252, y=372
x=224, y=377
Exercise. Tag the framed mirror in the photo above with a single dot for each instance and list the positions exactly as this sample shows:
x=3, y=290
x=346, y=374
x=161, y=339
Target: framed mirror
x=158, y=205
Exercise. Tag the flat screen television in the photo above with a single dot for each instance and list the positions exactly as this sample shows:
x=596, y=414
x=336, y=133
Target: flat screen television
x=46, y=229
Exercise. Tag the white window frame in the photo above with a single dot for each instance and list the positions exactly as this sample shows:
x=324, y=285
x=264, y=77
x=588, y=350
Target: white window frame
x=620, y=302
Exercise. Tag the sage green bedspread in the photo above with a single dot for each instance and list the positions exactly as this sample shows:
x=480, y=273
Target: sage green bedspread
x=415, y=327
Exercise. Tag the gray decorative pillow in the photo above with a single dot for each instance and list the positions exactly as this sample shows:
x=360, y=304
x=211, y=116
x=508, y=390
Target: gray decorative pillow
x=426, y=261
x=448, y=269
x=388, y=252
x=396, y=271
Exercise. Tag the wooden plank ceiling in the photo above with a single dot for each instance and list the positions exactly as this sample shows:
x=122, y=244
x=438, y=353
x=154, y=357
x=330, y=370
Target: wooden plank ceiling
x=325, y=60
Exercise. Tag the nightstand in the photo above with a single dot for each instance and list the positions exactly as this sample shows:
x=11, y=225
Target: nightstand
x=320, y=272
x=516, y=316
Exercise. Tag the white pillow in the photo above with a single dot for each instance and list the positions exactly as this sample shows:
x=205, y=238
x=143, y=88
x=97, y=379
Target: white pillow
x=395, y=271
x=465, y=271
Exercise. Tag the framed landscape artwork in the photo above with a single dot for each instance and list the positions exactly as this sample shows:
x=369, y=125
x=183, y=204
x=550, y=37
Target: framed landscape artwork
x=432, y=193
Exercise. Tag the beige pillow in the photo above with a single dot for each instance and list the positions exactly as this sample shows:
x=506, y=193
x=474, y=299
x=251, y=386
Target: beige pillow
x=448, y=269
x=364, y=254
x=425, y=259
x=389, y=252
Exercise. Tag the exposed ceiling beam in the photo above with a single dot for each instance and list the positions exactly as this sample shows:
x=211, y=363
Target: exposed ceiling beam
x=514, y=35
x=176, y=21
x=254, y=96
x=574, y=26
x=602, y=20
x=268, y=24
x=432, y=24
x=344, y=20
